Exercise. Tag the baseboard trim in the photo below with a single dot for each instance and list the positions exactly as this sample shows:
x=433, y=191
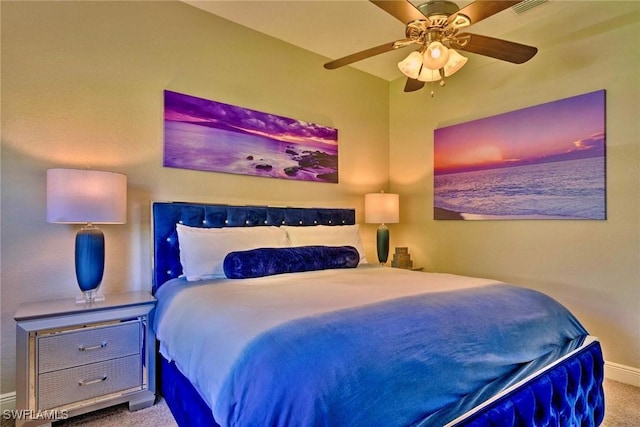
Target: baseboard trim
x=622, y=374
x=7, y=402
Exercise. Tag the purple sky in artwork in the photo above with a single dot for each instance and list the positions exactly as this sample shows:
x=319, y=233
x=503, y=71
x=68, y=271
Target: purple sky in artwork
x=182, y=107
x=570, y=128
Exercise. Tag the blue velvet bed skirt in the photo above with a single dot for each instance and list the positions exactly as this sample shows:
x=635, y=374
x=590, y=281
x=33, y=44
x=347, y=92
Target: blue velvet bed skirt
x=186, y=405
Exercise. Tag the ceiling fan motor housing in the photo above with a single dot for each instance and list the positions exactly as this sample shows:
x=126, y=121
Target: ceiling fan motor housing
x=438, y=9
x=434, y=26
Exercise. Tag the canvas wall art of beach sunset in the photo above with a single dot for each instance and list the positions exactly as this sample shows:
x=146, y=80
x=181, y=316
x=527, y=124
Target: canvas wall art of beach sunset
x=541, y=162
x=205, y=135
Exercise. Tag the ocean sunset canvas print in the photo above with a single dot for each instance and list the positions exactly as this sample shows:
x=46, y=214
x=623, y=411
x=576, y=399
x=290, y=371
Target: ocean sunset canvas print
x=211, y=136
x=541, y=162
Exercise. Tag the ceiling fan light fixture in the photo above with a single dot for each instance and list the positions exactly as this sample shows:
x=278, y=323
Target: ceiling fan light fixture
x=411, y=65
x=455, y=62
x=435, y=56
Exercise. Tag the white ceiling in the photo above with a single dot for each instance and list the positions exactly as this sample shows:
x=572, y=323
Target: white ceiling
x=336, y=28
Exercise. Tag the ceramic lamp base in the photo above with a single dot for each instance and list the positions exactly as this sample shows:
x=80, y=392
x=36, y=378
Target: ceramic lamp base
x=382, y=240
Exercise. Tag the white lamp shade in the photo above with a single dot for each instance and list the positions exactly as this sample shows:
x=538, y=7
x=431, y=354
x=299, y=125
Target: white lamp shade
x=381, y=208
x=435, y=56
x=455, y=62
x=411, y=65
x=83, y=196
x=427, y=75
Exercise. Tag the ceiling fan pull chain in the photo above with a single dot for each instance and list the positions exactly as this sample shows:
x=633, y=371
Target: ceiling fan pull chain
x=442, y=82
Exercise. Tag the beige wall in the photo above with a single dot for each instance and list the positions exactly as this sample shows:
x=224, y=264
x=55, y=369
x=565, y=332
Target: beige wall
x=591, y=266
x=82, y=85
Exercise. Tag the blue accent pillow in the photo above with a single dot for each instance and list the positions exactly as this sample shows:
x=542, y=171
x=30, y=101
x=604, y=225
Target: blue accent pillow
x=269, y=261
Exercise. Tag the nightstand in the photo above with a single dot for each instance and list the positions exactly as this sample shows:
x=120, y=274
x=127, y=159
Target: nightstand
x=75, y=358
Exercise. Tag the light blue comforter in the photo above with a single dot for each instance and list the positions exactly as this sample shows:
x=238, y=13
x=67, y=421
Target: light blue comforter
x=388, y=363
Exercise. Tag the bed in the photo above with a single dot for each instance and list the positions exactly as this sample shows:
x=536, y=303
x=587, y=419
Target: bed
x=272, y=316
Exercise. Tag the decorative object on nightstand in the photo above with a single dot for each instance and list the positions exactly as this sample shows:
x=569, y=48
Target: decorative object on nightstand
x=402, y=258
x=73, y=359
x=382, y=208
x=89, y=197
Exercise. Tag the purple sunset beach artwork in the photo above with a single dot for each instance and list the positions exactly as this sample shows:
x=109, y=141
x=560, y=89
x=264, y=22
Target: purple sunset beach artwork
x=541, y=162
x=205, y=135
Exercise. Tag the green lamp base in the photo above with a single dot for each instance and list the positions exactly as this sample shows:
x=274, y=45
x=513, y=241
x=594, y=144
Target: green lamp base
x=382, y=240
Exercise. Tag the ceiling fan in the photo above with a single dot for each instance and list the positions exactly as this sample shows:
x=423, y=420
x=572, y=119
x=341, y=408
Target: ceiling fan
x=435, y=28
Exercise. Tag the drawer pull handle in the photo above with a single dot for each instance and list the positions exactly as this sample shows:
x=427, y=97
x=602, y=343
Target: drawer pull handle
x=94, y=347
x=94, y=381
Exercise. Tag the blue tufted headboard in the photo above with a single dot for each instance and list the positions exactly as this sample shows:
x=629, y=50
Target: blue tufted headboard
x=165, y=216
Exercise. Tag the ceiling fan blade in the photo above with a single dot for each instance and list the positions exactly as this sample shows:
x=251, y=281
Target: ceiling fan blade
x=413, y=85
x=481, y=9
x=359, y=56
x=402, y=10
x=495, y=48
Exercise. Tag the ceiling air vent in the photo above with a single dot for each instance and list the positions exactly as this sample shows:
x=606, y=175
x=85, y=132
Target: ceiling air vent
x=525, y=5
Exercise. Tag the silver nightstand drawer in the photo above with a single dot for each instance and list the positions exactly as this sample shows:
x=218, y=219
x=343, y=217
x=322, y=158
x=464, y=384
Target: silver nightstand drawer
x=83, y=346
x=85, y=382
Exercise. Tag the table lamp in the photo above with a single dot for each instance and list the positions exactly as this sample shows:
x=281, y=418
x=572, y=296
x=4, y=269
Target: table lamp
x=89, y=197
x=382, y=208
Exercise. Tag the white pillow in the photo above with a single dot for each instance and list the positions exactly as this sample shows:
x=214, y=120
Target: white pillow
x=327, y=235
x=202, y=250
